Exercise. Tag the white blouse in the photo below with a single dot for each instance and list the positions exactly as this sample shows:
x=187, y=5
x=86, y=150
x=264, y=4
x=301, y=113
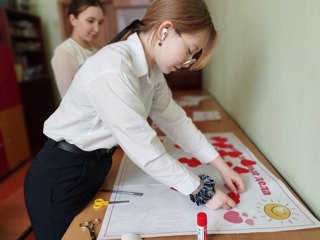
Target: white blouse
x=108, y=103
x=66, y=60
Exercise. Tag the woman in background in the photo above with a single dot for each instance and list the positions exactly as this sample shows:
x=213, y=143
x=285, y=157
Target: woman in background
x=86, y=17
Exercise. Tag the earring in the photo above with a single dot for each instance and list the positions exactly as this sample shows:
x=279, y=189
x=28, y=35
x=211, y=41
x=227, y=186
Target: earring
x=160, y=44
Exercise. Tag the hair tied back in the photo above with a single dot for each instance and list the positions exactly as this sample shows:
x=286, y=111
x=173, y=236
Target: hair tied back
x=124, y=33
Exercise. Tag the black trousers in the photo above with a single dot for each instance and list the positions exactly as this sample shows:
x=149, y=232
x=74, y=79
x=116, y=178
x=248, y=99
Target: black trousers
x=58, y=185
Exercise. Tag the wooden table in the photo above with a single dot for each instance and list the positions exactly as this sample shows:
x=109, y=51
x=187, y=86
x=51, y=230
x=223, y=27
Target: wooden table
x=224, y=125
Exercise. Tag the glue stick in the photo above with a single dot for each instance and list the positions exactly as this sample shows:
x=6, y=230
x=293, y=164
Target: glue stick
x=202, y=225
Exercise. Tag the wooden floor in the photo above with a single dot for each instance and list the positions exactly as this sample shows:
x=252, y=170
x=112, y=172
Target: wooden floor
x=13, y=183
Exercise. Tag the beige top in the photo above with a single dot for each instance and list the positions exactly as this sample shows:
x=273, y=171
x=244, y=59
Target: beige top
x=66, y=60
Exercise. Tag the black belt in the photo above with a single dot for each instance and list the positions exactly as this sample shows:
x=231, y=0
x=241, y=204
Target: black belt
x=74, y=149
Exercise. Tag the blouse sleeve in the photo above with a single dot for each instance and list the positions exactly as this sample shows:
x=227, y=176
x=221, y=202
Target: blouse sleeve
x=64, y=67
x=174, y=122
x=116, y=99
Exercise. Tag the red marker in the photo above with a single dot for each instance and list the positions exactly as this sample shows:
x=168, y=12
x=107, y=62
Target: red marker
x=202, y=225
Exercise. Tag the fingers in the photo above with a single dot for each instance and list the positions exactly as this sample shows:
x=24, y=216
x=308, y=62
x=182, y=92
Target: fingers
x=232, y=187
x=230, y=204
x=226, y=207
x=220, y=200
x=236, y=185
x=239, y=185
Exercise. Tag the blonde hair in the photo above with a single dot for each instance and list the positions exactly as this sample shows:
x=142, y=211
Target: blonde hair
x=187, y=16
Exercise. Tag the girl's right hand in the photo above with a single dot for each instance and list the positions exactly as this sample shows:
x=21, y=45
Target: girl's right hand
x=220, y=200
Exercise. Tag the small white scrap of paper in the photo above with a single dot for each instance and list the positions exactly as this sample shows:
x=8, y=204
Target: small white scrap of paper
x=206, y=116
x=190, y=100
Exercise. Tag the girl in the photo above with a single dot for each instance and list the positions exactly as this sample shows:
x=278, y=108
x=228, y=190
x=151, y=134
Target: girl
x=108, y=104
x=86, y=17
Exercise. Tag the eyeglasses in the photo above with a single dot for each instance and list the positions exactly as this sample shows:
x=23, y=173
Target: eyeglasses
x=192, y=58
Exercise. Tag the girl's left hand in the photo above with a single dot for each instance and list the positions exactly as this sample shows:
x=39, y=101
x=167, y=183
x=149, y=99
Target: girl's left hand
x=230, y=177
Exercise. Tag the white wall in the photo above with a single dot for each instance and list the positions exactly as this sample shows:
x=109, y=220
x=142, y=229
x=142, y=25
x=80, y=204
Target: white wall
x=266, y=74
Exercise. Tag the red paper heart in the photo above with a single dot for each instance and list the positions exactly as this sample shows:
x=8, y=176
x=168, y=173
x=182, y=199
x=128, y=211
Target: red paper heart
x=222, y=145
x=229, y=163
x=234, y=197
x=193, y=162
x=234, y=154
x=246, y=162
x=240, y=170
x=222, y=153
x=219, y=139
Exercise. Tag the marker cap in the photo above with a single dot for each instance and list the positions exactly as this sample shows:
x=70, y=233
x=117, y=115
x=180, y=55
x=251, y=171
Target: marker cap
x=202, y=219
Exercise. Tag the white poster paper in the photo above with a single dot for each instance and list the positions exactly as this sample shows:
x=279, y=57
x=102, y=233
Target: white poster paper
x=266, y=206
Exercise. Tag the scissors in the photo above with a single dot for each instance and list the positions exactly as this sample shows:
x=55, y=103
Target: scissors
x=90, y=225
x=121, y=192
x=99, y=203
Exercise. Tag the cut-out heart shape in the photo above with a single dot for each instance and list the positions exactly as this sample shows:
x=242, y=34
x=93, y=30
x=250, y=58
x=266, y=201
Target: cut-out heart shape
x=222, y=145
x=246, y=162
x=222, y=153
x=234, y=197
x=234, y=154
x=240, y=170
x=193, y=162
x=219, y=139
x=229, y=163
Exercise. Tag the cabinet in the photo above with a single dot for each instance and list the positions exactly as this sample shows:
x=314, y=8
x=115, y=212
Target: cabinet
x=14, y=147
x=118, y=14
x=26, y=90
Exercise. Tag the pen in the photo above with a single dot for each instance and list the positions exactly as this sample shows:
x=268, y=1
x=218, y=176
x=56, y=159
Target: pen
x=121, y=192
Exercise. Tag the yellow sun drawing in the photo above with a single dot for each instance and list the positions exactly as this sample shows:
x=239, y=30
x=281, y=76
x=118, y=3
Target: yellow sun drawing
x=277, y=211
